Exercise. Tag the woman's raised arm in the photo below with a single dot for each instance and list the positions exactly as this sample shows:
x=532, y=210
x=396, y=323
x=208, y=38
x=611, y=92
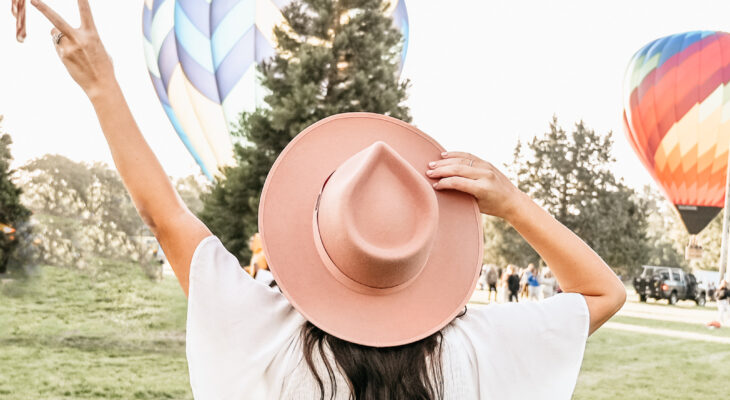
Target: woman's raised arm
x=83, y=54
x=576, y=266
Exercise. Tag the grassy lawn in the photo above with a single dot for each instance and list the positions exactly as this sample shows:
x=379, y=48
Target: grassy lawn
x=106, y=333
x=626, y=365
x=110, y=333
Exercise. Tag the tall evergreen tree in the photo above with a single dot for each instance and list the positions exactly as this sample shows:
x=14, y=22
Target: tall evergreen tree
x=12, y=212
x=569, y=175
x=334, y=56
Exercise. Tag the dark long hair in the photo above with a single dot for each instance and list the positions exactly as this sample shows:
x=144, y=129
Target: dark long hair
x=410, y=371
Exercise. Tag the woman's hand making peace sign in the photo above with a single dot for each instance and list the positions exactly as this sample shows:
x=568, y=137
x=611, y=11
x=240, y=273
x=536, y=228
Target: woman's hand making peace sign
x=80, y=49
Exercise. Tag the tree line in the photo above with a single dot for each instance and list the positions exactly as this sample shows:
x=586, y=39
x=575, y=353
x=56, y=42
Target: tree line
x=569, y=174
x=72, y=214
x=337, y=56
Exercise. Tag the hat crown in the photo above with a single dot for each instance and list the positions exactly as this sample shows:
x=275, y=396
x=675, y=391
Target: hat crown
x=378, y=218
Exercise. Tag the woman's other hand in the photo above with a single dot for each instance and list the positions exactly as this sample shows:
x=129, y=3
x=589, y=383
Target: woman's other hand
x=575, y=265
x=80, y=49
x=464, y=172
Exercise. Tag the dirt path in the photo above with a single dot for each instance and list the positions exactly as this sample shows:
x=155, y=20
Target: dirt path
x=666, y=332
x=685, y=312
x=700, y=315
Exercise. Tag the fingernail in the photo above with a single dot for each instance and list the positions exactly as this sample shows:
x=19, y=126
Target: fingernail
x=435, y=184
x=432, y=164
x=34, y=2
x=444, y=154
x=429, y=172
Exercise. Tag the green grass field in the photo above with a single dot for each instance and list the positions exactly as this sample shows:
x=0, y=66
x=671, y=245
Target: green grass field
x=625, y=365
x=110, y=333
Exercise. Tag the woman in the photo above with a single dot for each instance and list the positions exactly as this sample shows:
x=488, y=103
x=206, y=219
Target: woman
x=533, y=283
x=504, y=285
x=513, y=283
x=245, y=340
x=492, y=278
x=524, y=274
x=482, y=284
x=548, y=284
x=257, y=267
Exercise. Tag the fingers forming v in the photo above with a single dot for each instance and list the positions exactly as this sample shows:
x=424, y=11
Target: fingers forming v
x=87, y=19
x=53, y=16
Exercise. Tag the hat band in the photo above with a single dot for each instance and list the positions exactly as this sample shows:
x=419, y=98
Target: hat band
x=339, y=275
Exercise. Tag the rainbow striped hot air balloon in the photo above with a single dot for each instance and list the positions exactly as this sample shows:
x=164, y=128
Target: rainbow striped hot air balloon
x=677, y=118
x=202, y=57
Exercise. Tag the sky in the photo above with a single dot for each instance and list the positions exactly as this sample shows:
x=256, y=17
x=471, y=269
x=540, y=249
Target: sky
x=484, y=74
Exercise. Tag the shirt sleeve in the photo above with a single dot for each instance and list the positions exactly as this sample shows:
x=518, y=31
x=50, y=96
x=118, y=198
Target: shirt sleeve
x=528, y=349
x=240, y=333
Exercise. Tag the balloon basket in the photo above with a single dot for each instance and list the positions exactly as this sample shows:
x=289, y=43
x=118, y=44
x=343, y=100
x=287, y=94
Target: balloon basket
x=693, y=251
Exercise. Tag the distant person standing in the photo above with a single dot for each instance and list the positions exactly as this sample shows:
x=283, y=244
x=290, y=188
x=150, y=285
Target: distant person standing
x=482, y=282
x=503, y=285
x=258, y=268
x=523, y=282
x=722, y=294
x=533, y=284
x=548, y=284
x=513, y=283
x=492, y=278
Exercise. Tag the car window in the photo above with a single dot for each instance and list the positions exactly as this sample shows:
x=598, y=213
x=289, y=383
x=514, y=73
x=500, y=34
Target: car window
x=675, y=276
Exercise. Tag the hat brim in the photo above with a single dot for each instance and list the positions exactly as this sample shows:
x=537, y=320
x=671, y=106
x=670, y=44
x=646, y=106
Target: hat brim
x=288, y=201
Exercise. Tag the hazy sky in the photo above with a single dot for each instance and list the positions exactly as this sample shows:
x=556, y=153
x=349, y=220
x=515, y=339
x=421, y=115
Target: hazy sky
x=483, y=74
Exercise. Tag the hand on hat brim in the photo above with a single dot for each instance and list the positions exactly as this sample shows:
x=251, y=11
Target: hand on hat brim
x=464, y=172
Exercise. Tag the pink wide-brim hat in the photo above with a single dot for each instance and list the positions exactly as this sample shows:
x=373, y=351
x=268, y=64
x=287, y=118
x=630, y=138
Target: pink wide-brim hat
x=357, y=238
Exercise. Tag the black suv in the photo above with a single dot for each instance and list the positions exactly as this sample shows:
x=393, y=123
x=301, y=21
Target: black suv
x=668, y=283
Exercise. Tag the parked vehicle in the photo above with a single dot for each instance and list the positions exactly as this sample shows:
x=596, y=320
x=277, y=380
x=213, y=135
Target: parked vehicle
x=672, y=284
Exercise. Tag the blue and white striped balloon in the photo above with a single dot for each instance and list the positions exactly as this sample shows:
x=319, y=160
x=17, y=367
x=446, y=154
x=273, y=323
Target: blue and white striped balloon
x=202, y=57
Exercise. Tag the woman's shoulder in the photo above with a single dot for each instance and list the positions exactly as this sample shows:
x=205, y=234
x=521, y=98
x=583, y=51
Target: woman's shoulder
x=540, y=342
x=236, y=327
x=502, y=320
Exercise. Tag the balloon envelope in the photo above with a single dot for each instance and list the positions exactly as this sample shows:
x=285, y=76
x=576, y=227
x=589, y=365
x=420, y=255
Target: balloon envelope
x=202, y=57
x=677, y=119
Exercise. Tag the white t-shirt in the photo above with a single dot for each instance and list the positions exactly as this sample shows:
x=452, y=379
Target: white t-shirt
x=264, y=276
x=243, y=342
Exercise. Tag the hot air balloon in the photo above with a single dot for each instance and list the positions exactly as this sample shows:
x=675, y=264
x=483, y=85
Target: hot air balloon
x=202, y=57
x=677, y=119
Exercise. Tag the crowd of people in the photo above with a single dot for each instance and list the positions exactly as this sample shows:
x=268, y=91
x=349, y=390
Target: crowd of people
x=514, y=283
